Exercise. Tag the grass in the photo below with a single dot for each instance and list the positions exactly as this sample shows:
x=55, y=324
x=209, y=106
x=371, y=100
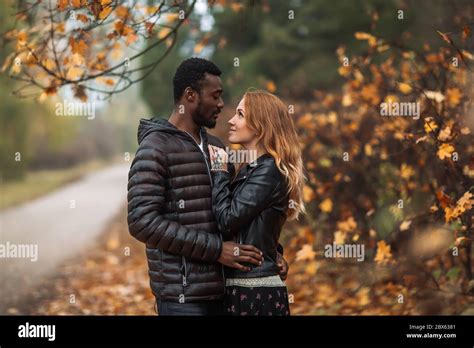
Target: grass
x=39, y=183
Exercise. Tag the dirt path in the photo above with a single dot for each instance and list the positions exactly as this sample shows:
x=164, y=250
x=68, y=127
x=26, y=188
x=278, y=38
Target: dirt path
x=57, y=226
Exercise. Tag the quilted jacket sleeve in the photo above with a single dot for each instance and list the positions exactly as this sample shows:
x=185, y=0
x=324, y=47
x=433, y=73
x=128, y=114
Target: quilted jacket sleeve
x=146, y=222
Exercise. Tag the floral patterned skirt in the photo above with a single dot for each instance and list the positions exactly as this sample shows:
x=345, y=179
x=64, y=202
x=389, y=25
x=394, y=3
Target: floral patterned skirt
x=267, y=301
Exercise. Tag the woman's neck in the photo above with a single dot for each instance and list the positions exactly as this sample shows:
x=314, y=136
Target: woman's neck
x=251, y=148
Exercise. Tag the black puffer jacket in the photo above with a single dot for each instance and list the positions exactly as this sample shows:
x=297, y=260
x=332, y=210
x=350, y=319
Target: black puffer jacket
x=252, y=210
x=169, y=209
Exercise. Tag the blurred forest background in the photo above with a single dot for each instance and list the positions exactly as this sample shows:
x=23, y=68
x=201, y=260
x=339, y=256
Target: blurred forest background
x=401, y=186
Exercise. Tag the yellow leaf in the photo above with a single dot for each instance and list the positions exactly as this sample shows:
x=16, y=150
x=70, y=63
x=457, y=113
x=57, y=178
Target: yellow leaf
x=74, y=73
x=311, y=268
x=347, y=99
x=430, y=125
x=21, y=40
x=370, y=93
x=113, y=242
x=445, y=151
x=163, y=33
x=305, y=253
x=308, y=193
x=445, y=134
x=49, y=64
x=404, y=88
x=105, y=12
x=326, y=205
x=391, y=98
x=454, y=96
x=198, y=48
x=384, y=255
x=305, y=121
x=368, y=149
x=131, y=38
x=171, y=17
x=362, y=296
x=465, y=131
x=347, y=225
x=344, y=71
x=121, y=12
x=372, y=40
x=339, y=237
x=406, y=171
x=271, y=87
x=405, y=225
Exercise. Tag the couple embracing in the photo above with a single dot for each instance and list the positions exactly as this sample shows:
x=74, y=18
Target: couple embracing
x=212, y=230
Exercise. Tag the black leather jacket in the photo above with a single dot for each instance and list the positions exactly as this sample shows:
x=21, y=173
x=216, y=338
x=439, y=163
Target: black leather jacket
x=251, y=210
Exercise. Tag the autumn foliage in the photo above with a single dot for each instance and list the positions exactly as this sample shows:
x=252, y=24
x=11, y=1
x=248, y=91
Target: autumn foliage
x=402, y=185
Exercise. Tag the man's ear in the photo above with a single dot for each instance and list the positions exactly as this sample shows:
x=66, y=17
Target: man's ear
x=190, y=95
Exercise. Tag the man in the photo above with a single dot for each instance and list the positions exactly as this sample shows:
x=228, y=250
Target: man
x=169, y=199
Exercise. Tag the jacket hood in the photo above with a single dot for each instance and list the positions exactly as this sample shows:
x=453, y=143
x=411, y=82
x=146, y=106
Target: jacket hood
x=160, y=125
x=154, y=125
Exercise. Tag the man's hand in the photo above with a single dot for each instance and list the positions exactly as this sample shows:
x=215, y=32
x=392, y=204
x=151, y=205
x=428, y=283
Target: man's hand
x=233, y=253
x=283, y=265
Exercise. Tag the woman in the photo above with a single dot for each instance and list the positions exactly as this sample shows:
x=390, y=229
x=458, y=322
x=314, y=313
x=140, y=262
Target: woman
x=252, y=208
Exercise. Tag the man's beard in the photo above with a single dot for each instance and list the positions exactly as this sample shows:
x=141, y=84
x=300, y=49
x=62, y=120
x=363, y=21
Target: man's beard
x=200, y=120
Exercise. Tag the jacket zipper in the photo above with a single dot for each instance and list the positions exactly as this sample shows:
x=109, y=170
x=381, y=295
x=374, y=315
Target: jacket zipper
x=203, y=151
x=210, y=180
x=185, y=271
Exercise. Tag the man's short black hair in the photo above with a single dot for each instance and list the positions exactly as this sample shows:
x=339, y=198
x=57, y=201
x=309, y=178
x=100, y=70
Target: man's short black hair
x=191, y=73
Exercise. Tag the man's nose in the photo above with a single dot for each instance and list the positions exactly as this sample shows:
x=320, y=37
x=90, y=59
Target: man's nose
x=220, y=105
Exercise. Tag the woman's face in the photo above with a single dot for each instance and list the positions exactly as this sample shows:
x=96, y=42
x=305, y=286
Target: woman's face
x=239, y=132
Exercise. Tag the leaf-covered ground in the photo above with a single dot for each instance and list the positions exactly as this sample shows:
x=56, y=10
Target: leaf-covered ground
x=107, y=280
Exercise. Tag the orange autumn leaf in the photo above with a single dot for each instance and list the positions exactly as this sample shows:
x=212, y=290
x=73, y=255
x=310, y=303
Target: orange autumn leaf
x=62, y=4
x=430, y=125
x=443, y=198
x=454, y=96
x=76, y=3
x=308, y=194
x=74, y=73
x=271, y=87
x=371, y=94
x=465, y=203
x=121, y=12
x=105, y=12
x=79, y=47
x=163, y=33
x=305, y=253
x=445, y=151
x=372, y=40
x=198, y=48
x=326, y=205
x=405, y=88
x=384, y=254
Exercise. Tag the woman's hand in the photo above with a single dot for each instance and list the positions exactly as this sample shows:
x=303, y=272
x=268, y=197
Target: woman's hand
x=219, y=158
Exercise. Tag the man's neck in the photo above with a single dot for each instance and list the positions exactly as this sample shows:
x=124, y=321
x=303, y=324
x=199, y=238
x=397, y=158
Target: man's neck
x=185, y=123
